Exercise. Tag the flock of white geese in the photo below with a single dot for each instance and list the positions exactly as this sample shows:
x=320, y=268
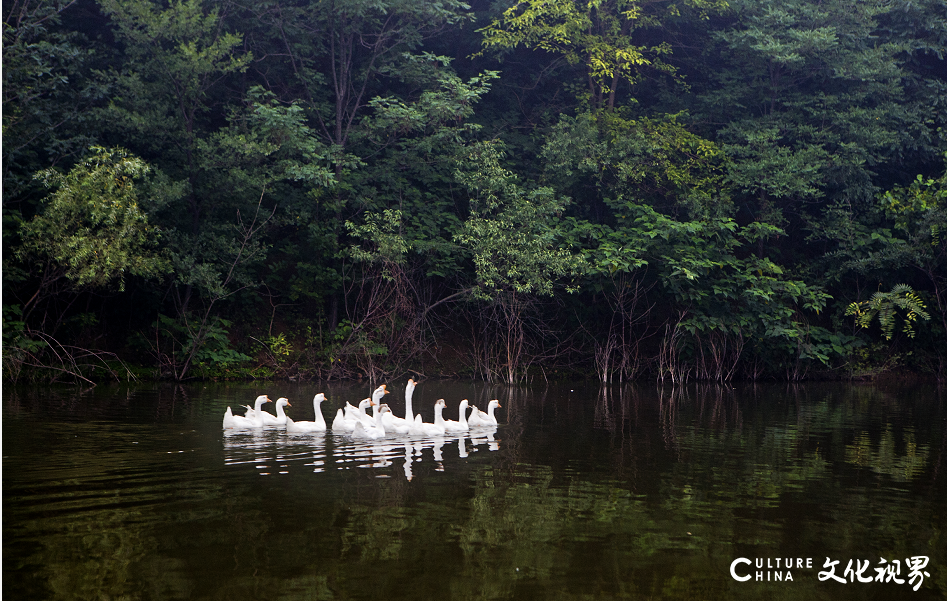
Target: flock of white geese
x=356, y=422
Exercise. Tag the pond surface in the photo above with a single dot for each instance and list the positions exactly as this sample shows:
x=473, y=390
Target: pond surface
x=634, y=492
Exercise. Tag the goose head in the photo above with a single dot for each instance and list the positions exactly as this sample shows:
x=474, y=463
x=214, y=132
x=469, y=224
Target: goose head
x=379, y=393
x=319, y=398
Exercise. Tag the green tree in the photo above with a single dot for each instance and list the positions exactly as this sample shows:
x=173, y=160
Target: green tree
x=666, y=218
x=600, y=35
x=812, y=103
x=404, y=261
x=224, y=157
x=512, y=234
x=48, y=91
x=91, y=231
x=339, y=49
x=355, y=68
x=919, y=212
x=515, y=241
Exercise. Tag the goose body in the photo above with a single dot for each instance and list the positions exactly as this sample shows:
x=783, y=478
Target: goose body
x=460, y=425
x=345, y=423
x=346, y=420
x=319, y=425
x=375, y=431
x=416, y=428
x=479, y=419
x=402, y=425
x=245, y=421
x=421, y=428
x=395, y=425
x=239, y=422
x=353, y=412
x=280, y=419
x=339, y=424
x=474, y=420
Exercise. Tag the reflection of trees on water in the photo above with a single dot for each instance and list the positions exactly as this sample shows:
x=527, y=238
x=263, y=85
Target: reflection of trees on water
x=630, y=492
x=630, y=413
x=792, y=425
x=159, y=402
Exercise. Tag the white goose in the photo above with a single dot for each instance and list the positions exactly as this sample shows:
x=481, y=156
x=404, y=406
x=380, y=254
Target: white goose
x=280, y=419
x=473, y=420
x=239, y=422
x=344, y=423
x=316, y=426
x=358, y=413
x=479, y=419
x=254, y=411
x=408, y=394
x=376, y=403
x=396, y=425
x=353, y=412
x=401, y=425
x=375, y=431
x=421, y=428
x=230, y=422
x=460, y=425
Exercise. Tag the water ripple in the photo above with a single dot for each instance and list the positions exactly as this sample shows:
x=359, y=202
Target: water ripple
x=273, y=451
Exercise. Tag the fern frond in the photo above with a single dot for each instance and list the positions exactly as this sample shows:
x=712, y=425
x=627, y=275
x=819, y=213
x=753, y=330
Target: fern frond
x=884, y=306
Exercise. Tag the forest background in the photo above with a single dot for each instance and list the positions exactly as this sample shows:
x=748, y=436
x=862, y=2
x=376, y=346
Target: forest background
x=691, y=190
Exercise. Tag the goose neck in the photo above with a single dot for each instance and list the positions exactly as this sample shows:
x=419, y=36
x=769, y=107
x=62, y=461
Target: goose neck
x=378, y=422
x=317, y=407
x=408, y=409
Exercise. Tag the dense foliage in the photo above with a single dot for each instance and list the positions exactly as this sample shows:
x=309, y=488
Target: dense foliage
x=352, y=188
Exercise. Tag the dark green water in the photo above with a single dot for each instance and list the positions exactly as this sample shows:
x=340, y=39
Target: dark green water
x=636, y=492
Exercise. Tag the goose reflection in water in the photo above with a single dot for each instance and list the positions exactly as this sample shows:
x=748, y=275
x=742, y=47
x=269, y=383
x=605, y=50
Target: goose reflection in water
x=271, y=450
x=274, y=451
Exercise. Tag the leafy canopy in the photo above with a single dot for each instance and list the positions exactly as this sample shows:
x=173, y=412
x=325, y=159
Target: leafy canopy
x=512, y=233
x=92, y=226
